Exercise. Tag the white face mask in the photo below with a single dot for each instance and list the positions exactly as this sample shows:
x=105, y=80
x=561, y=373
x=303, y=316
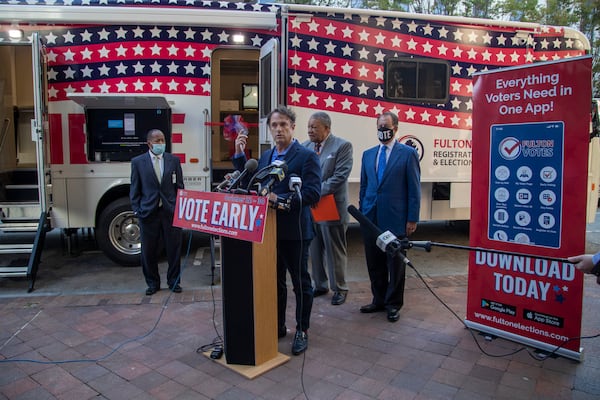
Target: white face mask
x=158, y=148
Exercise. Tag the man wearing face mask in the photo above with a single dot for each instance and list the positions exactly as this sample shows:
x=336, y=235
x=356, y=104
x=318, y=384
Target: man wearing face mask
x=390, y=197
x=155, y=178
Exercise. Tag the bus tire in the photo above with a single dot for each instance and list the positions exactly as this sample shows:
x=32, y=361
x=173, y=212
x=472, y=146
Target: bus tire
x=118, y=233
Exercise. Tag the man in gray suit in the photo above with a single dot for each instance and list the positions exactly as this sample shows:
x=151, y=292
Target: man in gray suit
x=328, y=251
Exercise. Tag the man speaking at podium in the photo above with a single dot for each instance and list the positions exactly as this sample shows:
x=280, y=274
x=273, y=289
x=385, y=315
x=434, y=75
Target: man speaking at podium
x=294, y=221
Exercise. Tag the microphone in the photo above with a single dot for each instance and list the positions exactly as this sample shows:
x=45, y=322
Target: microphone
x=295, y=184
x=227, y=182
x=275, y=175
x=249, y=168
x=387, y=241
x=264, y=171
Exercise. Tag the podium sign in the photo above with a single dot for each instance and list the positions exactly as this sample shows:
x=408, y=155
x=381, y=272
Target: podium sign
x=235, y=216
x=529, y=178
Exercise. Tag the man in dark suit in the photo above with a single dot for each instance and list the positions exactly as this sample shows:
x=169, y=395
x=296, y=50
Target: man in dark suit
x=390, y=196
x=155, y=178
x=328, y=250
x=294, y=226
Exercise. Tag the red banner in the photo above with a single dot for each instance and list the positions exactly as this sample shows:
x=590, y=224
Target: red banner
x=529, y=185
x=236, y=216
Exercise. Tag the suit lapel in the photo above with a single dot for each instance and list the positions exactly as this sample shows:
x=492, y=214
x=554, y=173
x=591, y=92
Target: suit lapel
x=166, y=167
x=370, y=160
x=391, y=161
x=149, y=165
x=325, y=150
x=292, y=152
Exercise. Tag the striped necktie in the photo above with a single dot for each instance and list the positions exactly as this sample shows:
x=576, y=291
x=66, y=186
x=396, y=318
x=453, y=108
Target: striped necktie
x=318, y=148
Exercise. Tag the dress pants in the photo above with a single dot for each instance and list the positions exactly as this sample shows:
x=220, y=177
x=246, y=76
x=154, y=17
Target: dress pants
x=157, y=224
x=292, y=256
x=387, y=274
x=329, y=257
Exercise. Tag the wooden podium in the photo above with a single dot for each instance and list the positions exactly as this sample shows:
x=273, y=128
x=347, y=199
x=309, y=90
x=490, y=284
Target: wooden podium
x=249, y=289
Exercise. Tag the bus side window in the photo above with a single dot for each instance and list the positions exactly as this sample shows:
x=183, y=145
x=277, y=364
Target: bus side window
x=416, y=80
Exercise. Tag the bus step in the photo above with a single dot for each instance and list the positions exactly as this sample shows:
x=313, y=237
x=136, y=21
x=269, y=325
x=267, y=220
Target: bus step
x=16, y=248
x=20, y=251
x=15, y=193
x=17, y=271
x=24, y=226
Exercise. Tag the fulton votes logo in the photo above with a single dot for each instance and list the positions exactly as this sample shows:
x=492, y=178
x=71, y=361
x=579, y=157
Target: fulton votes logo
x=509, y=148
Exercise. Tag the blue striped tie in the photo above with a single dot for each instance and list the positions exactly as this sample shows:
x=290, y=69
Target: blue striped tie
x=381, y=163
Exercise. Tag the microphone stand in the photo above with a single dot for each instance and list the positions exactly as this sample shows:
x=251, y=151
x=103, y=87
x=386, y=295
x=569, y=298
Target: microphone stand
x=426, y=245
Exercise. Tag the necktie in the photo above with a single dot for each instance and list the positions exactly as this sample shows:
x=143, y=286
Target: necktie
x=157, y=168
x=158, y=176
x=381, y=163
x=318, y=148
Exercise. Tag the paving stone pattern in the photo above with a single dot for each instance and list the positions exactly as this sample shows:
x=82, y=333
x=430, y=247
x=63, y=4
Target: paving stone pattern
x=428, y=354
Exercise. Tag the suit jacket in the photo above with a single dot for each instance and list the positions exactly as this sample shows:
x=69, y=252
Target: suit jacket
x=397, y=198
x=336, y=163
x=145, y=189
x=305, y=164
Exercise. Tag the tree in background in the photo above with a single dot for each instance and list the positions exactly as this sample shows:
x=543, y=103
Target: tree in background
x=582, y=14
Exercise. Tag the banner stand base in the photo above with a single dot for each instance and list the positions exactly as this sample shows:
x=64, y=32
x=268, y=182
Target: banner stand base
x=573, y=355
x=252, y=371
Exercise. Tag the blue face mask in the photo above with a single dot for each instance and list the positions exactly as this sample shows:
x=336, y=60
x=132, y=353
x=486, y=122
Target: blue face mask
x=158, y=148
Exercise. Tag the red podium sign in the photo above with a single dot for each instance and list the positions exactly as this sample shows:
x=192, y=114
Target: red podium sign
x=236, y=216
x=529, y=185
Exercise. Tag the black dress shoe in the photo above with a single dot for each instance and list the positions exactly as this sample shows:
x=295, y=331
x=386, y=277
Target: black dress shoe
x=393, y=314
x=175, y=289
x=300, y=343
x=371, y=308
x=151, y=290
x=281, y=332
x=338, y=298
x=319, y=292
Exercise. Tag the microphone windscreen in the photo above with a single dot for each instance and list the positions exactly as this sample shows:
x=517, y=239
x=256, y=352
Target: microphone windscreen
x=364, y=221
x=251, y=165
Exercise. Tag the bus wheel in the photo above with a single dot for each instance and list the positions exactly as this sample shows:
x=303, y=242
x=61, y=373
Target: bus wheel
x=118, y=233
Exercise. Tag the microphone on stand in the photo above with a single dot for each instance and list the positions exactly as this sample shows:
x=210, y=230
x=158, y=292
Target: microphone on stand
x=227, y=182
x=275, y=175
x=387, y=241
x=249, y=168
x=295, y=184
x=265, y=171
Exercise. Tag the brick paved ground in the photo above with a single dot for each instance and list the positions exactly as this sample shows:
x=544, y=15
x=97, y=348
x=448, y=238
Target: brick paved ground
x=428, y=354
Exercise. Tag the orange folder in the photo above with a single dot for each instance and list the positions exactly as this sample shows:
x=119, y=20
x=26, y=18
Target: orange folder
x=325, y=210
